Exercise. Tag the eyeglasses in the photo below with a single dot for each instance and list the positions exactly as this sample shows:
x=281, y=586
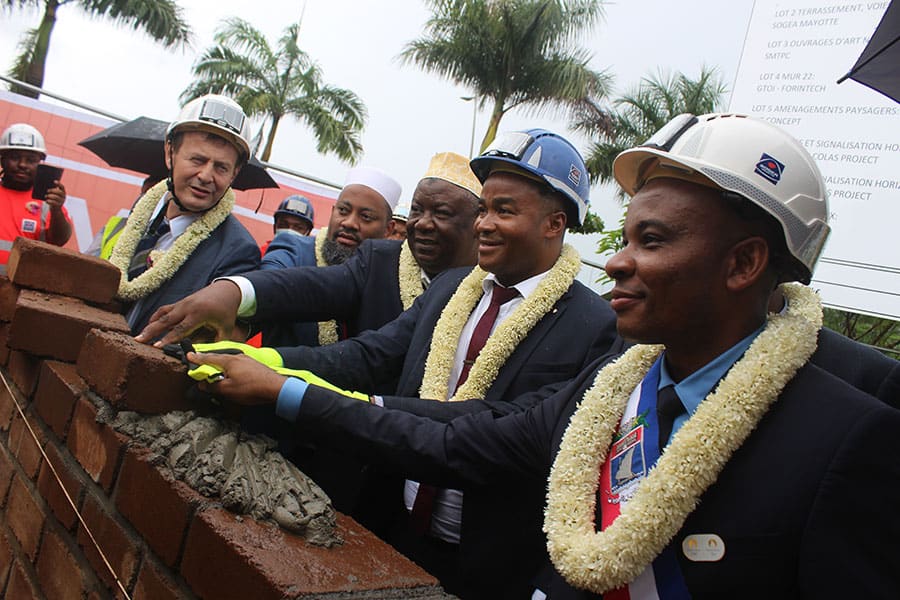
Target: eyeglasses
x=666, y=137
x=223, y=115
x=512, y=144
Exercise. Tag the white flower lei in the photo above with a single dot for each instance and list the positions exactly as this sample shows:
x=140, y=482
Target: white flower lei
x=164, y=263
x=328, y=333
x=409, y=277
x=502, y=342
x=600, y=561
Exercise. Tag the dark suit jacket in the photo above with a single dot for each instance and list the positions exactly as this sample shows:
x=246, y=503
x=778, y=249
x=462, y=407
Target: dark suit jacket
x=362, y=292
x=229, y=250
x=807, y=507
x=859, y=365
x=580, y=328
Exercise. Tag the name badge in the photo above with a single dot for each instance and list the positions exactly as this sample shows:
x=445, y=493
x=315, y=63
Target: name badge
x=703, y=547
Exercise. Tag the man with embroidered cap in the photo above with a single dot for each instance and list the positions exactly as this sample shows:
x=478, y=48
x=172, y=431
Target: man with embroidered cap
x=180, y=235
x=22, y=149
x=711, y=460
x=497, y=334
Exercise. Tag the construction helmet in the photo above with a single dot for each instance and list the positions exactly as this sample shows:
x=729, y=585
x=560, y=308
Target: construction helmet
x=297, y=206
x=746, y=156
x=216, y=114
x=21, y=136
x=549, y=157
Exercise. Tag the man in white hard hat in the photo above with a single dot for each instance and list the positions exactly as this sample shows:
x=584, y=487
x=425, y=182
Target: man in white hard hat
x=711, y=460
x=181, y=234
x=22, y=149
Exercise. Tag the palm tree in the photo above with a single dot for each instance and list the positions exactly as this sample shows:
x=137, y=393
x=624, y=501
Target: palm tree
x=641, y=112
x=511, y=52
x=160, y=19
x=277, y=83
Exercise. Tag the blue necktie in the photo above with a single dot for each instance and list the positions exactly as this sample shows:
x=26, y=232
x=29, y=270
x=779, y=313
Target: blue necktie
x=140, y=262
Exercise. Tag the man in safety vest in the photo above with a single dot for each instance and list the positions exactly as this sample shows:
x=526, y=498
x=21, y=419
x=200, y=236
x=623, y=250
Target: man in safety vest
x=22, y=148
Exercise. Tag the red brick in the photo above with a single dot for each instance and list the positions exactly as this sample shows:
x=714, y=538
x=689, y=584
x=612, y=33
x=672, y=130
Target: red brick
x=20, y=586
x=154, y=584
x=23, y=446
x=24, y=371
x=133, y=376
x=7, y=407
x=120, y=547
x=42, y=266
x=59, y=387
x=4, y=349
x=159, y=507
x=7, y=470
x=96, y=446
x=6, y=557
x=25, y=517
x=49, y=487
x=58, y=572
x=8, y=296
x=256, y=560
x=55, y=326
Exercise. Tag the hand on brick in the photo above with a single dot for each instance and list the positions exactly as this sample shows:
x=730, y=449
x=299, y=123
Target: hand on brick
x=214, y=307
x=243, y=380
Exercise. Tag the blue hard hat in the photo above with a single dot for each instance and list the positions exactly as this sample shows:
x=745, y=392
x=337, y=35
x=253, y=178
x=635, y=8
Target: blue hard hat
x=548, y=156
x=297, y=206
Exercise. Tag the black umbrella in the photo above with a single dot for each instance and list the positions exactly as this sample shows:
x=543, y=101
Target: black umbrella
x=878, y=67
x=138, y=145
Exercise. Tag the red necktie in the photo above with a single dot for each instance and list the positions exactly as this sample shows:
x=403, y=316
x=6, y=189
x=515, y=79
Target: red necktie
x=424, y=503
x=483, y=328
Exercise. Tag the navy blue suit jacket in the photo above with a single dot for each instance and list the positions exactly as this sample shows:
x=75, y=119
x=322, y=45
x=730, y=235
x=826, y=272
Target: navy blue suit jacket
x=807, y=507
x=229, y=250
x=579, y=328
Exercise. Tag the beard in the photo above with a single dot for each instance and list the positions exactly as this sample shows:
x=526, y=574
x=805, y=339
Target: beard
x=335, y=253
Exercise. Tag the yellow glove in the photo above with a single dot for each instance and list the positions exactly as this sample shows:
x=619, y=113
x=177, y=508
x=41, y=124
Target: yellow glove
x=266, y=356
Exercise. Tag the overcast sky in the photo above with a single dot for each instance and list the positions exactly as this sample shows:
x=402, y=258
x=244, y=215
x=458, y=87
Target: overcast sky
x=412, y=115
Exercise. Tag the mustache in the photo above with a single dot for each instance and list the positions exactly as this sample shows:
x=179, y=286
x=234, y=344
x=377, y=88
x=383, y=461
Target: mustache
x=348, y=233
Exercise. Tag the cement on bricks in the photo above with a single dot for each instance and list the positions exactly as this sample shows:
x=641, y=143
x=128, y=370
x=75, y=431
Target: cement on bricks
x=55, y=326
x=259, y=560
x=41, y=266
x=133, y=376
x=59, y=386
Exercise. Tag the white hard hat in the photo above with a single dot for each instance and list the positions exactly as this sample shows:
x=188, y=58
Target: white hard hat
x=216, y=114
x=749, y=157
x=21, y=136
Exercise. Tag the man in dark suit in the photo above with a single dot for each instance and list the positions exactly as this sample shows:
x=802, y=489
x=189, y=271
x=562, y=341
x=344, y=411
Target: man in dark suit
x=368, y=290
x=544, y=332
x=770, y=477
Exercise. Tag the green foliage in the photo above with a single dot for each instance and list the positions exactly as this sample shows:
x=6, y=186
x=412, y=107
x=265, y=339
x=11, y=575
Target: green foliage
x=883, y=334
x=592, y=224
x=279, y=82
x=160, y=19
x=512, y=52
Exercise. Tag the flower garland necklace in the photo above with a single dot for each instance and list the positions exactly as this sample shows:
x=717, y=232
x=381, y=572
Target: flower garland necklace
x=328, y=331
x=502, y=342
x=601, y=561
x=409, y=277
x=164, y=263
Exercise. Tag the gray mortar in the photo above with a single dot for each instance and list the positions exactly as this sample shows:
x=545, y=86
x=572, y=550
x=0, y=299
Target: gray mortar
x=244, y=471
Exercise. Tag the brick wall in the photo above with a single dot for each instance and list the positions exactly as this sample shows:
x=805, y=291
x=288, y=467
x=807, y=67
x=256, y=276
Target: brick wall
x=70, y=364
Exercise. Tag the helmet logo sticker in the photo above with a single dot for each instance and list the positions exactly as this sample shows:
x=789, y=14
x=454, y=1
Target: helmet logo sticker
x=769, y=168
x=574, y=174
